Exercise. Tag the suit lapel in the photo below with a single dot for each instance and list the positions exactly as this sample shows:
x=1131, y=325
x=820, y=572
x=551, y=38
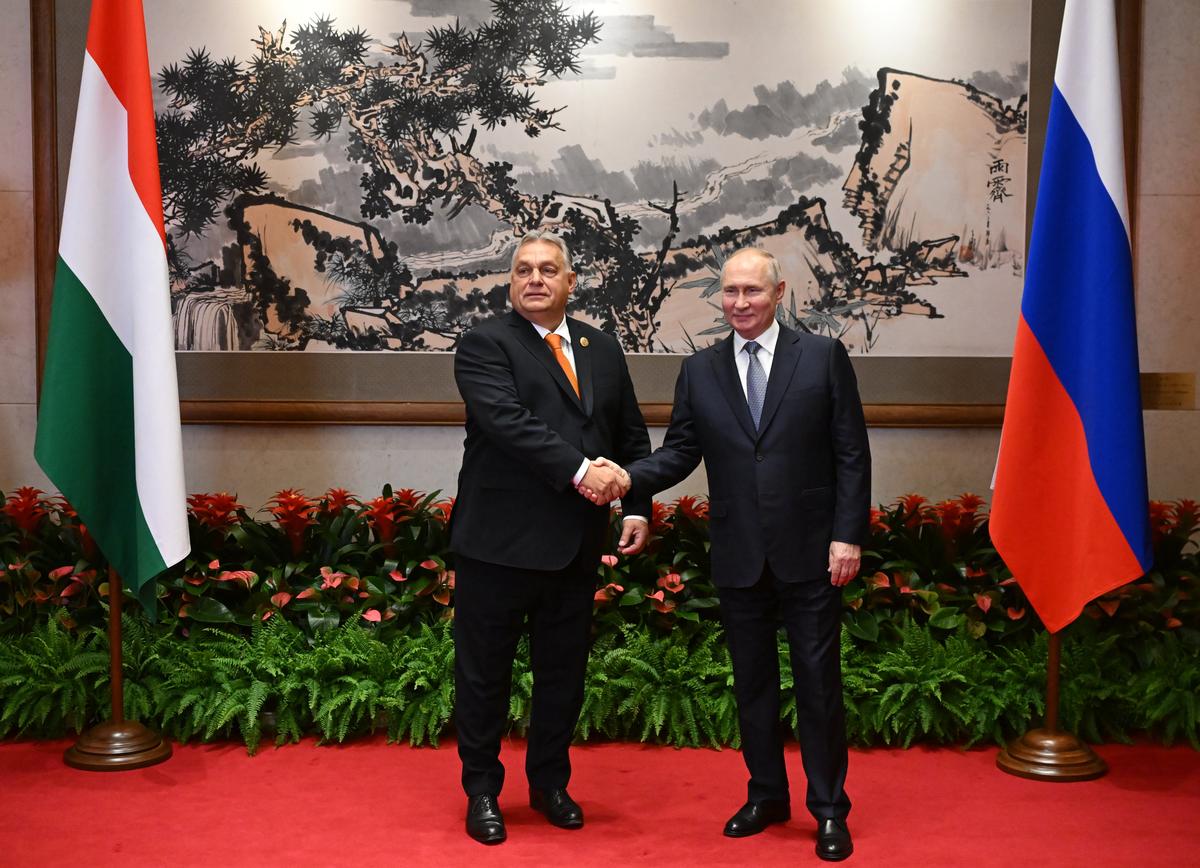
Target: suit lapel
x=725, y=371
x=787, y=354
x=527, y=336
x=583, y=366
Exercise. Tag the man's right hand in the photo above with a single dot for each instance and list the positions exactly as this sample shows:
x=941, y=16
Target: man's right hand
x=604, y=481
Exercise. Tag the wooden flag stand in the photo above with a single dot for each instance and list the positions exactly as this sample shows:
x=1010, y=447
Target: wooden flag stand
x=1048, y=753
x=117, y=744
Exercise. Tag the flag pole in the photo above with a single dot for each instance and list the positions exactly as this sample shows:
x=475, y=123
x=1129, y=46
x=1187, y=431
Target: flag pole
x=117, y=744
x=1048, y=753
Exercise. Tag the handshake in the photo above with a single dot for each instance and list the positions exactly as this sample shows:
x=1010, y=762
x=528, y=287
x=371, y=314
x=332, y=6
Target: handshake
x=604, y=481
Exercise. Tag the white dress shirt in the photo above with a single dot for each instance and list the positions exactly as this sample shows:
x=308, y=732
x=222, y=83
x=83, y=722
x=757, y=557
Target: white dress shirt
x=766, y=353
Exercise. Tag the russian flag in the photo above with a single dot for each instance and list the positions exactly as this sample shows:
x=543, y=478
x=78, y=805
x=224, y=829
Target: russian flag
x=1070, y=513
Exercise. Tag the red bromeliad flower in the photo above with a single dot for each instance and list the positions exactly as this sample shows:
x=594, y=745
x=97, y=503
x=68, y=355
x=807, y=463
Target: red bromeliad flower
x=660, y=515
x=949, y=516
x=442, y=509
x=216, y=511
x=1162, y=520
x=660, y=604
x=86, y=543
x=27, y=509
x=912, y=509
x=971, y=503
x=293, y=511
x=335, y=500
x=408, y=499
x=383, y=515
x=693, y=508
x=1187, y=515
x=957, y=517
x=671, y=582
x=972, y=508
x=878, y=525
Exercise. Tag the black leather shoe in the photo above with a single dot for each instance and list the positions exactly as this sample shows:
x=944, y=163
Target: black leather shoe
x=485, y=823
x=753, y=817
x=560, y=809
x=833, y=840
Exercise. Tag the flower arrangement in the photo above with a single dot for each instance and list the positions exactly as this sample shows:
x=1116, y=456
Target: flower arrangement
x=332, y=614
x=385, y=562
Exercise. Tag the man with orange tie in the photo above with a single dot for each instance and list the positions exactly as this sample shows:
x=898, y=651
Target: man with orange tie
x=545, y=395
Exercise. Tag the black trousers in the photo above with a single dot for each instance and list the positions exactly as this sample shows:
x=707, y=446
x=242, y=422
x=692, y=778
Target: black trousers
x=811, y=616
x=493, y=606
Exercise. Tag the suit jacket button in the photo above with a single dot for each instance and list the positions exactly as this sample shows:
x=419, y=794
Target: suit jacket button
x=759, y=457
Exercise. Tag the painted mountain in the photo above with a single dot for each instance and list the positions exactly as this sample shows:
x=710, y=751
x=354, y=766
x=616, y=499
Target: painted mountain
x=339, y=191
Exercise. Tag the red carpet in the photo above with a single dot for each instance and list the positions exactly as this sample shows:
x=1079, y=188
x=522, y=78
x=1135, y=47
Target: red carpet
x=370, y=804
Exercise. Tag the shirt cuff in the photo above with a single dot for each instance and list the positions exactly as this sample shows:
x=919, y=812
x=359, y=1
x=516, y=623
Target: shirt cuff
x=581, y=472
x=633, y=517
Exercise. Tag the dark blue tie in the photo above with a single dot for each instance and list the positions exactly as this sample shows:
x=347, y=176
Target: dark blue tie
x=756, y=383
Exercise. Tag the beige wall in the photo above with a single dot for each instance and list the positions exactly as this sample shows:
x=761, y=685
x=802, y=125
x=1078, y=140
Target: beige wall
x=17, y=380
x=1167, y=241
x=256, y=460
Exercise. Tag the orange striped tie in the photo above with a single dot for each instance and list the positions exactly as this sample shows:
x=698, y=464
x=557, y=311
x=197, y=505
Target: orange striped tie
x=555, y=342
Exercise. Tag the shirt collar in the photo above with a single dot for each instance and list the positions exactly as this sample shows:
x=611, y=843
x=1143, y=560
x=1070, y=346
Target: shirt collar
x=766, y=340
x=562, y=330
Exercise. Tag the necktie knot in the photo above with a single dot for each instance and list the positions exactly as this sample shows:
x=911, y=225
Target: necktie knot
x=555, y=341
x=753, y=347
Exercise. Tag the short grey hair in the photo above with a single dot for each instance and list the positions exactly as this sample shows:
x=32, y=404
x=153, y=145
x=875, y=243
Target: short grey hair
x=774, y=275
x=543, y=235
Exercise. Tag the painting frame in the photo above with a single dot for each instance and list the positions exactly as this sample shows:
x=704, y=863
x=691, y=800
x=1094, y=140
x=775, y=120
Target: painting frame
x=417, y=388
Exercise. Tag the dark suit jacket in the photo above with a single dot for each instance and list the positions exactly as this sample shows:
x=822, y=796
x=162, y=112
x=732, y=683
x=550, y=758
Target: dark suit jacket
x=779, y=495
x=527, y=433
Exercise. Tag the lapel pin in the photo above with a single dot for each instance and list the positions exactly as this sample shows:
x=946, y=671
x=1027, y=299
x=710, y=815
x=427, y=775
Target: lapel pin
x=583, y=342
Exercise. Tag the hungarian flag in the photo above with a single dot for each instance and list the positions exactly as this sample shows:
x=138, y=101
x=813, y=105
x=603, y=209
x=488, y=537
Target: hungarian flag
x=1070, y=513
x=108, y=425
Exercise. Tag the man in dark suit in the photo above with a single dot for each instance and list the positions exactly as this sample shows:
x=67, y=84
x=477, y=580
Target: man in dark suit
x=776, y=417
x=545, y=394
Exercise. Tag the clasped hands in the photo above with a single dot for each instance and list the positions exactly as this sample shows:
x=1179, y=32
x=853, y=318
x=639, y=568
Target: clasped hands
x=604, y=481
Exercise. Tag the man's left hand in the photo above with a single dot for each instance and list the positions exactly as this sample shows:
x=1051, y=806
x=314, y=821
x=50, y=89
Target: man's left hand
x=844, y=560
x=634, y=533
